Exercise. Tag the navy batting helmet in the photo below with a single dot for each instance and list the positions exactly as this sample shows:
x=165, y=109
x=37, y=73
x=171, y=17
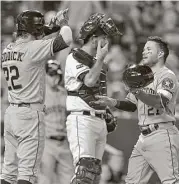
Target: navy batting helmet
x=30, y=21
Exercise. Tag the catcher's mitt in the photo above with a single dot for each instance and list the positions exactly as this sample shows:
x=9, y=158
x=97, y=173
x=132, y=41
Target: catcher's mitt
x=111, y=121
x=138, y=76
x=94, y=22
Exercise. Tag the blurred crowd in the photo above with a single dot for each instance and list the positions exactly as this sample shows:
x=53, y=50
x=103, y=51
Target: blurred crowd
x=135, y=19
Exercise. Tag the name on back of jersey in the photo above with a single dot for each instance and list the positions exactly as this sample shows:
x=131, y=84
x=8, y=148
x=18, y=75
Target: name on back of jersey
x=12, y=56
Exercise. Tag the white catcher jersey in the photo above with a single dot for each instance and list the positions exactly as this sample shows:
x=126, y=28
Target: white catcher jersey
x=164, y=79
x=23, y=63
x=72, y=70
x=55, y=113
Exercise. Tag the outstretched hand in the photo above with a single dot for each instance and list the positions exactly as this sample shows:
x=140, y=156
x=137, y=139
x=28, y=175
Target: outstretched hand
x=105, y=101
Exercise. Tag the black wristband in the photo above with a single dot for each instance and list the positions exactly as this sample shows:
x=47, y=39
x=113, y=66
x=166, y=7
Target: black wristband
x=49, y=30
x=126, y=106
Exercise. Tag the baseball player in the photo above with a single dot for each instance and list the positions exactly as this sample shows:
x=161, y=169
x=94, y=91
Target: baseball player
x=23, y=63
x=85, y=76
x=157, y=149
x=57, y=165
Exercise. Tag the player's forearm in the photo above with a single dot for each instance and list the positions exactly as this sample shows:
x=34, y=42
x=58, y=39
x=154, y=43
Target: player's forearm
x=63, y=39
x=66, y=33
x=125, y=106
x=93, y=75
x=153, y=100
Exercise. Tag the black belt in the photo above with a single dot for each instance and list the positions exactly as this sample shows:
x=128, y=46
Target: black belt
x=80, y=92
x=57, y=138
x=148, y=130
x=21, y=104
x=75, y=93
x=101, y=115
x=88, y=113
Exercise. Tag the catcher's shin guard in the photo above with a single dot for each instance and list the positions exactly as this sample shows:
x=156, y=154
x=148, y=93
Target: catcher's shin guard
x=88, y=171
x=4, y=182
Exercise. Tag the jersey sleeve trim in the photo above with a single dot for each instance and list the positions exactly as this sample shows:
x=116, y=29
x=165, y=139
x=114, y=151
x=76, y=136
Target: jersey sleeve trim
x=165, y=93
x=83, y=71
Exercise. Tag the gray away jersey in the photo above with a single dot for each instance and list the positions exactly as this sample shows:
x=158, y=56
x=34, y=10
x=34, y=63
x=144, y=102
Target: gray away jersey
x=23, y=63
x=164, y=79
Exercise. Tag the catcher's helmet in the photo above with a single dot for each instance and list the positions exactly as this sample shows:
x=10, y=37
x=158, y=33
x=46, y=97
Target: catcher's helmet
x=138, y=76
x=30, y=21
x=96, y=24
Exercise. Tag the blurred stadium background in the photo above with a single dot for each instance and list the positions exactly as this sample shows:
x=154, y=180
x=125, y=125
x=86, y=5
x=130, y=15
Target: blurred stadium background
x=137, y=20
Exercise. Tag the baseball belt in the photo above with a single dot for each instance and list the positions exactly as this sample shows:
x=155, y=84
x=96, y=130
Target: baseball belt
x=147, y=129
x=57, y=138
x=89, y=113
x=34, y=106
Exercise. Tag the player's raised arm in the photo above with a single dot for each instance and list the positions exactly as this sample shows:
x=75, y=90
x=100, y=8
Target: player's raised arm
x=41, y=49
x=64, y=38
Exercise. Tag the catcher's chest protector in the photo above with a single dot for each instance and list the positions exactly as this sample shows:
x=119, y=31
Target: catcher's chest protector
x=88, y=93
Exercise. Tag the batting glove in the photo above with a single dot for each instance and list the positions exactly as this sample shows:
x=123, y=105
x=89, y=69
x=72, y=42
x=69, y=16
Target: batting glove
x=62, y=18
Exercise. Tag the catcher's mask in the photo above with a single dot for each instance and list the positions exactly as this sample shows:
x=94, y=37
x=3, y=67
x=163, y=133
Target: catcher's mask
x=96, y=24
x=54, y=69
x=30, y=21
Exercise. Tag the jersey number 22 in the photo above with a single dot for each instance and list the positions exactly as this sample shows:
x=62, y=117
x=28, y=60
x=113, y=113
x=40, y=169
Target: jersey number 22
x=12, y=78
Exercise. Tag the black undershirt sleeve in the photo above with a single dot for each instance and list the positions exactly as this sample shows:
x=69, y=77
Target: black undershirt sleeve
x=59, y=44
x=126, y=106
x=49, y=30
